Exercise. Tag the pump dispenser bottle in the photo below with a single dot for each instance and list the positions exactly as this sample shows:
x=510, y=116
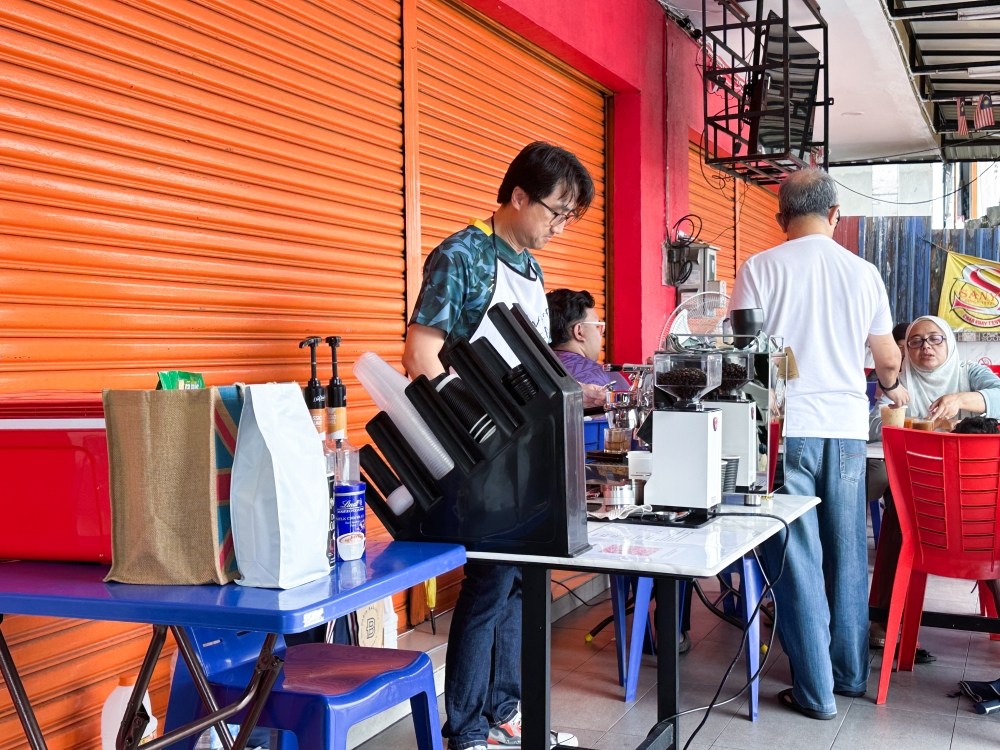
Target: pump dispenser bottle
x=345, y=455
x=314, y=393
x=347, y=522
x=336, y=398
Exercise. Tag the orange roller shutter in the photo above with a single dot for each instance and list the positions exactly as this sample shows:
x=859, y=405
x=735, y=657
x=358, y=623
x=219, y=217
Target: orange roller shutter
x=189, y=185
x=711, y=200
x=198, y=186
x=759, y=230
x=718, y=198
x=483, y=94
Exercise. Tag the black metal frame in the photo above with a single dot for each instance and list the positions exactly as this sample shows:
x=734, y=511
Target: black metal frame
x=945, y=620
x=939, y=75
x=536, y=644
x=136, y=718
x=738, y=115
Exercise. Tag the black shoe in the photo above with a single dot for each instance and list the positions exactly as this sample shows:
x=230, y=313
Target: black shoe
x=685, y=644
x=923, y=656
x=850, y=693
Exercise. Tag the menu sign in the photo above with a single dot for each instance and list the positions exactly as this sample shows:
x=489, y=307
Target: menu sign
x=970, y=294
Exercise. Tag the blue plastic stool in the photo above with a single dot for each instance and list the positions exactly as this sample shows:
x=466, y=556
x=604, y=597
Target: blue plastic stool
x=875, y=508
x=751, y=586
x=630, y=657
x=322, y=691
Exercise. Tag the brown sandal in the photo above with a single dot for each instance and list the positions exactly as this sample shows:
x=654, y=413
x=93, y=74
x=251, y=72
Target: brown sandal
x=786, y=699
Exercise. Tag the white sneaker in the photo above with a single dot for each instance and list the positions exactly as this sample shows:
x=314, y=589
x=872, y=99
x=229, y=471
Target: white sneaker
x=564, y=739
x=508, y=734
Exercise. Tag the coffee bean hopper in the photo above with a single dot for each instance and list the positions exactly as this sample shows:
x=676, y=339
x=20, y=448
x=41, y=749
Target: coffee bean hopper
x=682, y=469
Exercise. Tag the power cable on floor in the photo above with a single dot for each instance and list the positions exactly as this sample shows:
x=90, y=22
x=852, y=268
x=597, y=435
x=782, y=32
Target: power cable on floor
x=575, y=595
x=714, y=609
x=768, y=589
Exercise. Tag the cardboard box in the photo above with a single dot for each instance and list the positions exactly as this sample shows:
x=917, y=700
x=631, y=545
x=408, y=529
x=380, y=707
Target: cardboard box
x=370, y=626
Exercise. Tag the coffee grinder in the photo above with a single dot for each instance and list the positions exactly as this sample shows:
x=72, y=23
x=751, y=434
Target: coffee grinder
x=682, y=468
x=739, y=411
x=739, y=416
x=752, y=400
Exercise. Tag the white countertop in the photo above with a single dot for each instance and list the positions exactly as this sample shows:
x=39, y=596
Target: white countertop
x=668, y=550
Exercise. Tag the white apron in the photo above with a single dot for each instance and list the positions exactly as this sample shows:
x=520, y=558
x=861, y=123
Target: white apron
x=513, y=286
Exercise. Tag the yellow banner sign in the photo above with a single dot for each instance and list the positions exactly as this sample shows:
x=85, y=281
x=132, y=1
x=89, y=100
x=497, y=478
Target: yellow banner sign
x=970, y=294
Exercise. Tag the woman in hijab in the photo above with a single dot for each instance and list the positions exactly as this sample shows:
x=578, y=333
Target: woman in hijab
x=942, y=388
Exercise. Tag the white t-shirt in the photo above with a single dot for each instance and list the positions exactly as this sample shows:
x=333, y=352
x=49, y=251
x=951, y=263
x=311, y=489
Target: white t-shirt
x=825, y=302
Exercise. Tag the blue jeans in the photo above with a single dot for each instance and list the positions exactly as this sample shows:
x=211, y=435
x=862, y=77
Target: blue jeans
x=482, y=678
x=822, y=596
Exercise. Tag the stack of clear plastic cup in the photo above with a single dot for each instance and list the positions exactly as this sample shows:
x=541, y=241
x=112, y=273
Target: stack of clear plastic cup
x=386, y=386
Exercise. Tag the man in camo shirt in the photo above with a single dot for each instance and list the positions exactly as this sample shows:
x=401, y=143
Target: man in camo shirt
x=488, y=262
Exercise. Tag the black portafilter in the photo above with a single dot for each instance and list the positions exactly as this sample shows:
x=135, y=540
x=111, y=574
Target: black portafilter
x=465, y=406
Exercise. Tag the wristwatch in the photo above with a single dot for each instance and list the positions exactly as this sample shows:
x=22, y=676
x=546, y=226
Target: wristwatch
x=891, y=388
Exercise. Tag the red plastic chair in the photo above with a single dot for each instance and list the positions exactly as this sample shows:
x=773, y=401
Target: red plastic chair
x=987, y=607
x=946, y=489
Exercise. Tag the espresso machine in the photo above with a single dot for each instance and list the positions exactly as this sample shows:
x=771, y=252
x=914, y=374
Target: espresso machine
x=611, y=492
x=681, y=469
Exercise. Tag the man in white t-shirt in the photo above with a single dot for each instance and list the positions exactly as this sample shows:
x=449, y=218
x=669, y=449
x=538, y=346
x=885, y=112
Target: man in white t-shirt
x=826, y=303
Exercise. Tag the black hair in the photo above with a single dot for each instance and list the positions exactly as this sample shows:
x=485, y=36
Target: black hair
x=899, y=332
x=977, y=426
x=566, y=309
x=540, y=168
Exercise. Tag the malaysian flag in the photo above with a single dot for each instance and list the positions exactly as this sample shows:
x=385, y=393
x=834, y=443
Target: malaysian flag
x=984, y=112
x=963, y=124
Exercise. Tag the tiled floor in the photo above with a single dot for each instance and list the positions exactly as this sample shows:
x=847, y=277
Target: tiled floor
x=587, y=700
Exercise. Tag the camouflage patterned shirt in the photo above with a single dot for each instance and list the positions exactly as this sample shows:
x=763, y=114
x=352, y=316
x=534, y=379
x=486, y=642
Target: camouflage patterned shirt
x=459, y=279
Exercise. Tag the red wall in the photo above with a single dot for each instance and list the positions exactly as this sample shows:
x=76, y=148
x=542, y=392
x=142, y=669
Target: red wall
x=633, y=49
x=685, y=114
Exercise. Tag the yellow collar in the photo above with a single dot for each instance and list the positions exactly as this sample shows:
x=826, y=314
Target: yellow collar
x=482, y=226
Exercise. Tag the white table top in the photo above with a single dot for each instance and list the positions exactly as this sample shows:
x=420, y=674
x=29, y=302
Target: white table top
x=668, y=550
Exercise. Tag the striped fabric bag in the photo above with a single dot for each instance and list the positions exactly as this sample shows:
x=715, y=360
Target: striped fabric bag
x=227, y=423
x=170, y=459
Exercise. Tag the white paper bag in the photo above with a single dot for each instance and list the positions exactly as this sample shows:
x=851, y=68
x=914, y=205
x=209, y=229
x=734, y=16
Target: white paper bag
x=280, y=503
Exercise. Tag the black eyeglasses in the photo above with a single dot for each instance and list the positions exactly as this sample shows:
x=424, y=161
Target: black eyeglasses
x=916, y=342
x=558, y=218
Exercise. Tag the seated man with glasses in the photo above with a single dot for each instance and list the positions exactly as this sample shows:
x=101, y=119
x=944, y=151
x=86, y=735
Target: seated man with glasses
x=942, y=388
x=577, y=336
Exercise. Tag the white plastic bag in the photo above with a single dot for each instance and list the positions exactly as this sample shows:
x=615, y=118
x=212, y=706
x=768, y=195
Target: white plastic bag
x=280, y=503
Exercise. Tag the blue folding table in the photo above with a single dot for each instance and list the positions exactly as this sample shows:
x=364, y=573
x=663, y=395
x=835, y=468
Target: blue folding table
x=77, y=590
